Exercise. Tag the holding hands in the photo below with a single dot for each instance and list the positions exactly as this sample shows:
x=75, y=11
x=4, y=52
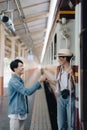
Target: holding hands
x=42, y=78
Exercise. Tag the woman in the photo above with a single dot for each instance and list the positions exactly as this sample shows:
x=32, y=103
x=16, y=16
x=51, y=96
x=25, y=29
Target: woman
x=66, y=91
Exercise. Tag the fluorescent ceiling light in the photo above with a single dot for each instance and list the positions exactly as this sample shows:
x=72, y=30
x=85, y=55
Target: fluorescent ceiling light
x=30, y=55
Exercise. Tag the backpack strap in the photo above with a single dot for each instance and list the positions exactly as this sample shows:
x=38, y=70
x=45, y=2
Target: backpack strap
x=71, y=80
x=59, y=70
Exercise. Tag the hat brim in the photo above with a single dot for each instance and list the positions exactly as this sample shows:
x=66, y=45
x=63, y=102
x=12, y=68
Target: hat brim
x=61, y=54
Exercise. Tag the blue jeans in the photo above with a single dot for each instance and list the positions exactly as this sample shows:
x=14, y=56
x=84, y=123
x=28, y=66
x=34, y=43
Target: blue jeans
x=63, y=113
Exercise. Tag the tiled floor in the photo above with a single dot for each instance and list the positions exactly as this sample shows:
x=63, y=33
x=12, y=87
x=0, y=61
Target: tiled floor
x=4, y=120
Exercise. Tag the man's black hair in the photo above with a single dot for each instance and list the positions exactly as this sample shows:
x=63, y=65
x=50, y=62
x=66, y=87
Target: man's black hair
x=14, y=64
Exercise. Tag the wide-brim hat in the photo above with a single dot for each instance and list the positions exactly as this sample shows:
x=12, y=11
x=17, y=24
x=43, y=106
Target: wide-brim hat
x=65, y=52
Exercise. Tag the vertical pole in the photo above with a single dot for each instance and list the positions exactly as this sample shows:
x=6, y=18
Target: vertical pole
x=2, y=54
x=19, y=50
x=13, y=49
x=23, y=53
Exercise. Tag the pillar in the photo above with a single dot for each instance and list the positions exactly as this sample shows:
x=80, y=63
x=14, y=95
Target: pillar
x=2, y=54
x=23, y=53
x=13, y=49
x=19, y=50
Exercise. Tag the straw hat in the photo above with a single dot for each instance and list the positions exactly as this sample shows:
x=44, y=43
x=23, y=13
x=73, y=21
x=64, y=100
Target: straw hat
x=65, y=52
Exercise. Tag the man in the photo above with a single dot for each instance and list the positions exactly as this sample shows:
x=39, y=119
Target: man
x=66, y=91
x=18, y=102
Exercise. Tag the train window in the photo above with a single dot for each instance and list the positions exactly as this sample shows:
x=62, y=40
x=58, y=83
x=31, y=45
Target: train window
x=55, y=38
x=55, y=45
x=51, y=51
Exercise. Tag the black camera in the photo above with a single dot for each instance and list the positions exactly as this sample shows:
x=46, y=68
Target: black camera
x=65, y=93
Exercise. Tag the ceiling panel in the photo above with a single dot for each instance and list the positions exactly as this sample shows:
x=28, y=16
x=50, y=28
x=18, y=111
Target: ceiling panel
x=33, y=2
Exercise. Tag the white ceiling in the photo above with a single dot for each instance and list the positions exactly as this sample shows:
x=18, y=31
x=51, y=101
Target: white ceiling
x=30, y=18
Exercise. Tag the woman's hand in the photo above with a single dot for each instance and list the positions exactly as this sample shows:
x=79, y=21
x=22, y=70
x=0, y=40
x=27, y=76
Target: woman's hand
x=42, y=78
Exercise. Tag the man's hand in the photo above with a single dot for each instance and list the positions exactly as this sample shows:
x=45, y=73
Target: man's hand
x=42, y=78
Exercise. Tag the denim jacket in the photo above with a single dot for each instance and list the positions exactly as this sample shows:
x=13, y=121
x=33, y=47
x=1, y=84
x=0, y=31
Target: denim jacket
x=18, y=102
